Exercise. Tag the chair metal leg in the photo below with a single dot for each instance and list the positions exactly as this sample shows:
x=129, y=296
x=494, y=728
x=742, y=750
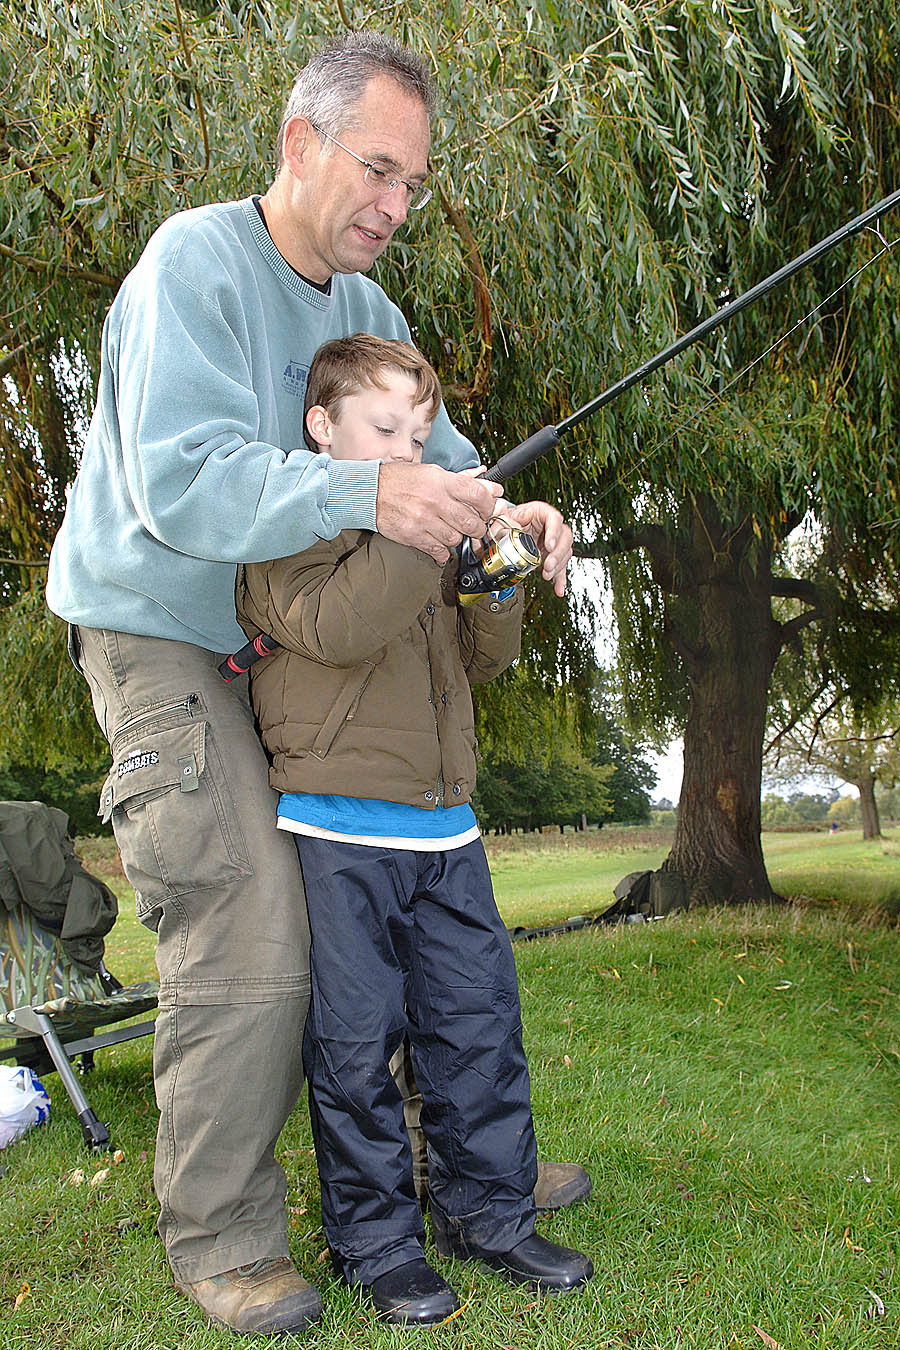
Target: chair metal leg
x=96, y=1134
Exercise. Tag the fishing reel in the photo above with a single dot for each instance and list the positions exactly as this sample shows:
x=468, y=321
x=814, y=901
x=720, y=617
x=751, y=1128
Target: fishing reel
x=503, y=560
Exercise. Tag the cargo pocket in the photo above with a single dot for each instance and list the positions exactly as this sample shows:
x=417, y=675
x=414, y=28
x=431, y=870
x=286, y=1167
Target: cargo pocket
x=173, y=815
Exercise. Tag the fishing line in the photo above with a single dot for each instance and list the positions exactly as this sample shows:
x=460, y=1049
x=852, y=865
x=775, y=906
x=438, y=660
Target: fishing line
x=719, y=396
x=547, y=437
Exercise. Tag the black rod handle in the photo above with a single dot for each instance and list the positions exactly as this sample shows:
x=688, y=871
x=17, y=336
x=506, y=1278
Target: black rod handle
x=514, y=461
x=240, y=662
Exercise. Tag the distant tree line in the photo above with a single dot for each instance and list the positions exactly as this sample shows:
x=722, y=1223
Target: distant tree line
x=801, y=809
x=566, y=780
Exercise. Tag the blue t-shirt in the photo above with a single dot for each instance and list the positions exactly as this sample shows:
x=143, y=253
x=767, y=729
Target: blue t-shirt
x=368, y=820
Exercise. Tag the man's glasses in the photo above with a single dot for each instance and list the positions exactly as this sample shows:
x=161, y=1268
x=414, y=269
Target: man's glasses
x=380, y=180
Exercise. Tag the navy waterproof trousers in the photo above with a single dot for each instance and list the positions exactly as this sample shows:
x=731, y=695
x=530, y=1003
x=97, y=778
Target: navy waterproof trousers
x=412, y=942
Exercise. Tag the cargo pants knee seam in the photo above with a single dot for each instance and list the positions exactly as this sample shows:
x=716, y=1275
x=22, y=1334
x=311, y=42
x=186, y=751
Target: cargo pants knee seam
x=171, y=1219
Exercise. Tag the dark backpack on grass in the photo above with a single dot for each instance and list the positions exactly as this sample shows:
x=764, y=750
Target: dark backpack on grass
x=648, y=895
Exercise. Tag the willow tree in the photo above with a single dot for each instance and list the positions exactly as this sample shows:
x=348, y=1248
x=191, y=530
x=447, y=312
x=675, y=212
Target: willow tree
x=607, y=175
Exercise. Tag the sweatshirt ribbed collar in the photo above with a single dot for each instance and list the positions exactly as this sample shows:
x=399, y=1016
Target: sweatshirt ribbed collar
x=279, y=265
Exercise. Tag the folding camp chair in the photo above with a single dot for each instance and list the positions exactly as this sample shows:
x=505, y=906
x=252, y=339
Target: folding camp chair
x=50, y=1004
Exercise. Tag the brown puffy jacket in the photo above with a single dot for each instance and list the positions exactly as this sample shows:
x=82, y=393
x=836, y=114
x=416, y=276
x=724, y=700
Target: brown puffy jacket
x=370, y=695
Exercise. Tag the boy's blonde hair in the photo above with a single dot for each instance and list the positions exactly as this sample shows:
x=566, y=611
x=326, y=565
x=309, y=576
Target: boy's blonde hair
x=348, y=364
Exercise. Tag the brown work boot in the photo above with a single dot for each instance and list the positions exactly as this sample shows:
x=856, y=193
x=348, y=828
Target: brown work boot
x=268, y=1296
x=559, y=1185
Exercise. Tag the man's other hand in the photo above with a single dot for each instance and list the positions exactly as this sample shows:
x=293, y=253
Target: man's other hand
x=553, y=536
x=430, y=509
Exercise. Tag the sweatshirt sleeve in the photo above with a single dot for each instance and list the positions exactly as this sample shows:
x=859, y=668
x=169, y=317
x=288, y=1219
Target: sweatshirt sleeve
x=339, y=608
x=490, y=639
x=201, y=479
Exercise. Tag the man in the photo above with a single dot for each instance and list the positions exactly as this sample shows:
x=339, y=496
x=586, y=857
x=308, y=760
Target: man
x=190, y=467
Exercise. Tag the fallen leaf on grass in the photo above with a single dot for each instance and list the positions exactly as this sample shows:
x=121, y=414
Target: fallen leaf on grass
x=567, y=1061
x=118, y=1157
x=876, y=1307
x=461, y=1309
x=76, y=1178
x=22, y=1295
x=100, y=1176
x=766, y=1339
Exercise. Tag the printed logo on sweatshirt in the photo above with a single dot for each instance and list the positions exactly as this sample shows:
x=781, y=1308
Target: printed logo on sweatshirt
x=294, y=378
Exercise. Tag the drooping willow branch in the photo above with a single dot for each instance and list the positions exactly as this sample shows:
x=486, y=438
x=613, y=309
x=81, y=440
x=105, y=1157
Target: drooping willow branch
x=65, y=268
x=197, y=94
x=475, y=268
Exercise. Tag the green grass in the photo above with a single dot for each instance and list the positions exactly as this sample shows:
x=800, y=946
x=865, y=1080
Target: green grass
x=551, y=877
x=731, y=1080
x=837, y=867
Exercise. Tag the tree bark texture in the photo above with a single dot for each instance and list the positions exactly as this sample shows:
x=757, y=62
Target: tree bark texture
x=719, y=621
x=869, y=807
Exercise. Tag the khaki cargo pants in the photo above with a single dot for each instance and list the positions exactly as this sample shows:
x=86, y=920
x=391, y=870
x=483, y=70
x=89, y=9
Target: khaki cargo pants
x=194, y=816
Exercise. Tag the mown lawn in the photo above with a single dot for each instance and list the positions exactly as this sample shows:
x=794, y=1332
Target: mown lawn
x=731, y=1079
x=553, y=876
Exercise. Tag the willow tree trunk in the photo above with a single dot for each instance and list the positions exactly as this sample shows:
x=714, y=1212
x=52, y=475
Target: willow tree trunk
x=719, y=620
x=869, y=807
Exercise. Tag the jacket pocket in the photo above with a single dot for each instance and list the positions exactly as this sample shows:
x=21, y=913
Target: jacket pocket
x=343, y=709
x=172, y=811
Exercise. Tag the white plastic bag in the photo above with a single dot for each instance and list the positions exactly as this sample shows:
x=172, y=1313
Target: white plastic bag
x=23, y=1103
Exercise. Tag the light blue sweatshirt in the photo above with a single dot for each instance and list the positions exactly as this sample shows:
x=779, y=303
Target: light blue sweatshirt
x=194, y=460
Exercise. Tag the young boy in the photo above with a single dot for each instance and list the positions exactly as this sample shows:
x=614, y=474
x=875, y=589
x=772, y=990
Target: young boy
x=367, y=716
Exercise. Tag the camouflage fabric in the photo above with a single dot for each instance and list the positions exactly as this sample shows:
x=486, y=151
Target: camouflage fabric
x=35, y=973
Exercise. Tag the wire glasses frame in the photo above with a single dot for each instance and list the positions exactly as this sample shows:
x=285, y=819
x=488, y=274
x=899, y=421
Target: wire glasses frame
x=417, y=194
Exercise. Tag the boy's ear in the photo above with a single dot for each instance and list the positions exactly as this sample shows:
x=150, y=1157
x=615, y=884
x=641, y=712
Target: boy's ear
x=318, y=425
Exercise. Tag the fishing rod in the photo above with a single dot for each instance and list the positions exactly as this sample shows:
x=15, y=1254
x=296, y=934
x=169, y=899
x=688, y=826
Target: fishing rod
x=544, y=440
x=476, y=576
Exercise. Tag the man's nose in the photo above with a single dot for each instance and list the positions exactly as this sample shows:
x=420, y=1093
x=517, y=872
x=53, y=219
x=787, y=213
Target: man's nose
x=395, y=204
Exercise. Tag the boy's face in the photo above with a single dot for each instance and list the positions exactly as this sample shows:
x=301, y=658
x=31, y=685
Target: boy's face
x=375, y=423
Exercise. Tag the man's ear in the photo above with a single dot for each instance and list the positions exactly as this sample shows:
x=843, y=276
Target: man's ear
x=319, y=426
x=297, y=140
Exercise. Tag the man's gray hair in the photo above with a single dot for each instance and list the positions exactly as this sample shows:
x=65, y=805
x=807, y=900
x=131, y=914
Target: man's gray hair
x=332, y=82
